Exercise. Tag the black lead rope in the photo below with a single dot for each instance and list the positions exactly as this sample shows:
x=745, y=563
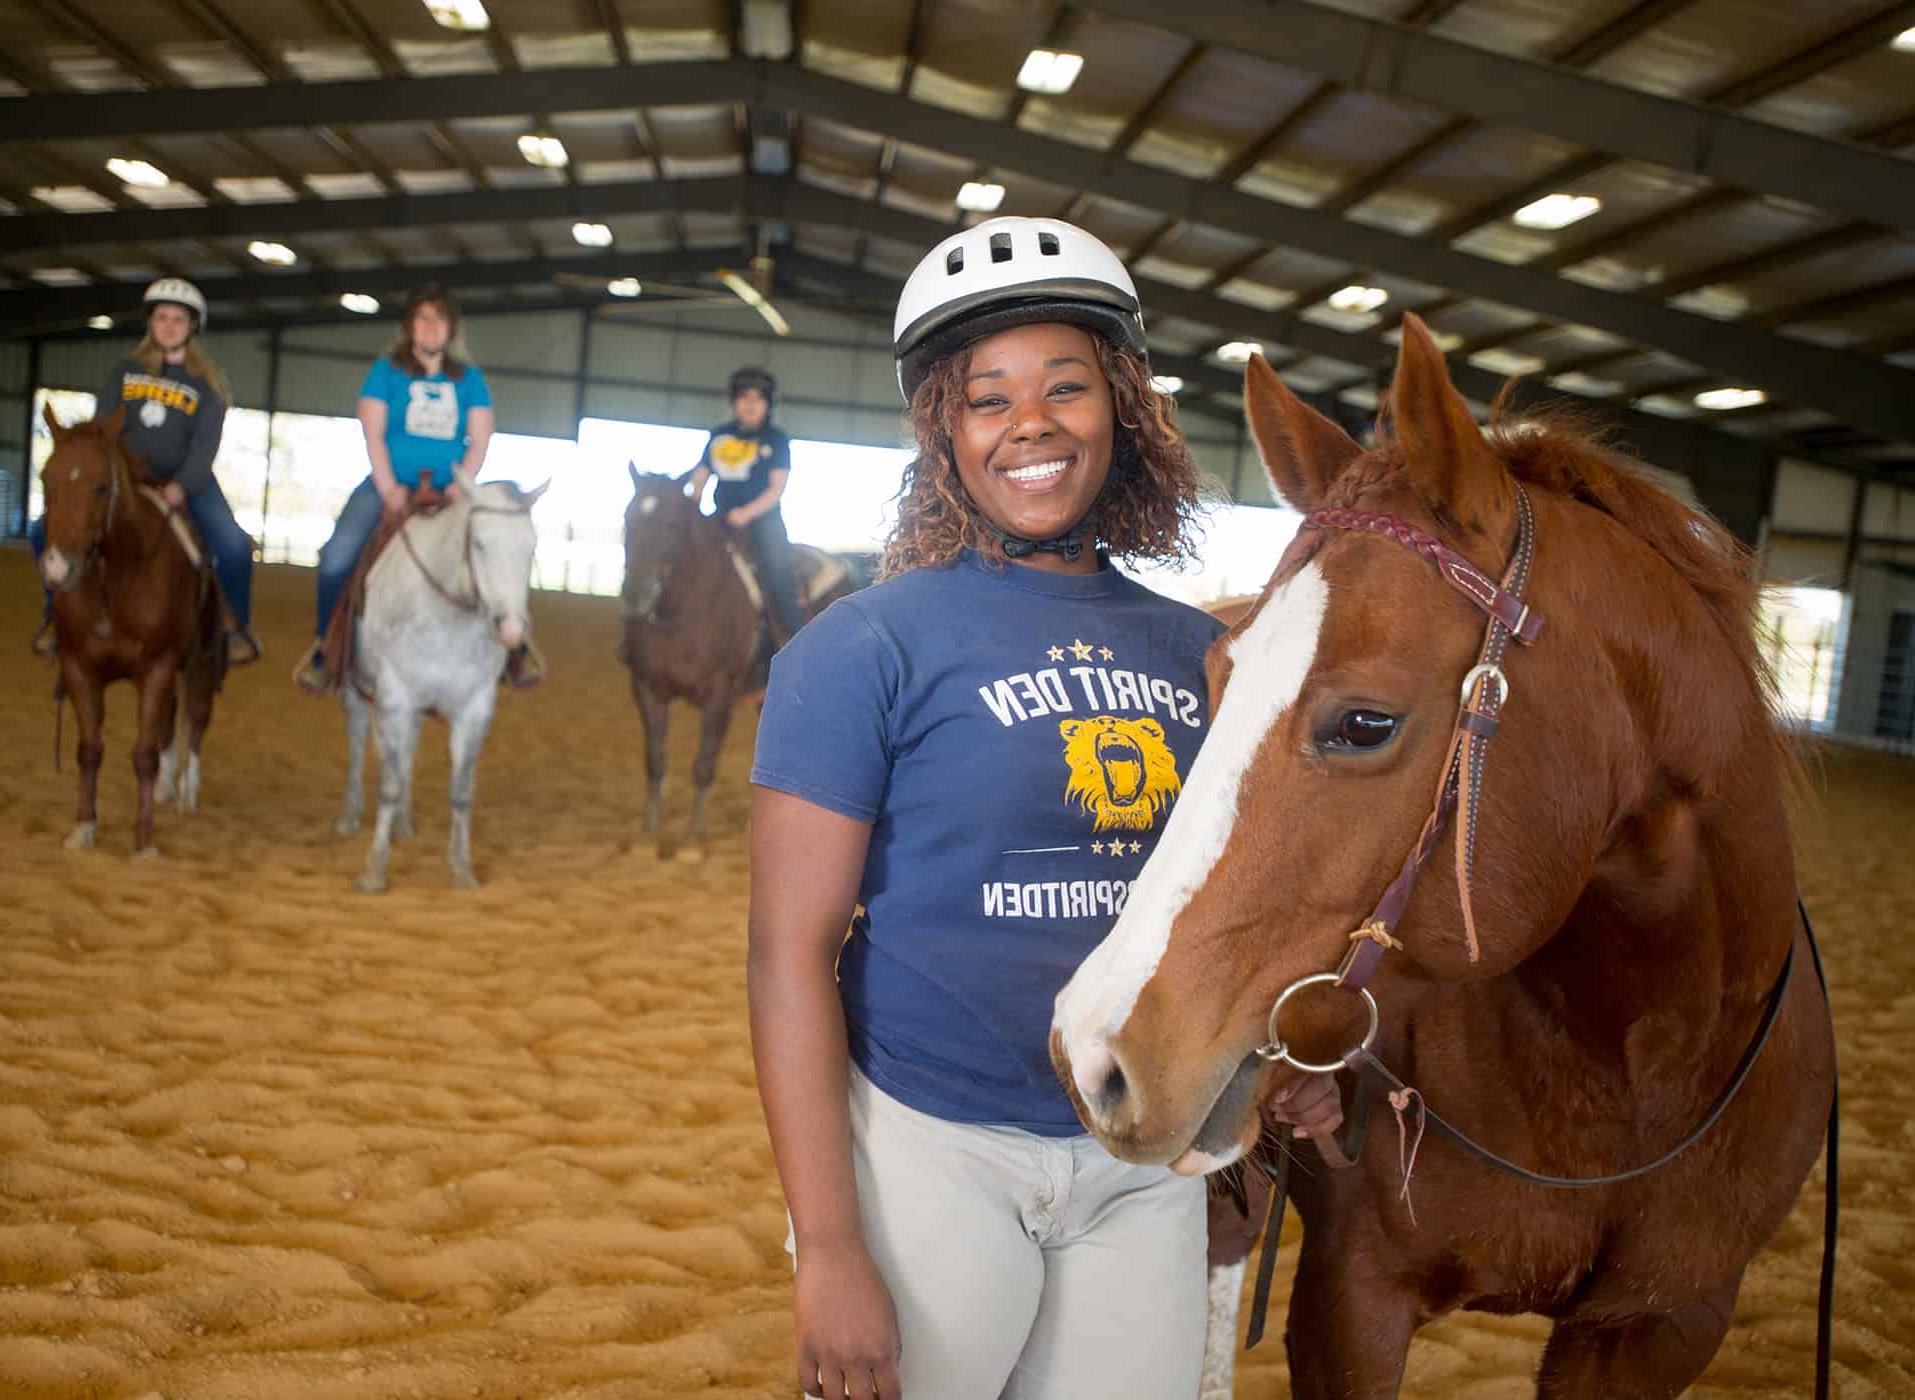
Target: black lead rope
x=1360, y=1060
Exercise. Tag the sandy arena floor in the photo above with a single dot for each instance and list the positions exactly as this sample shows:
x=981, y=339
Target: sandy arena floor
x=263, y=1137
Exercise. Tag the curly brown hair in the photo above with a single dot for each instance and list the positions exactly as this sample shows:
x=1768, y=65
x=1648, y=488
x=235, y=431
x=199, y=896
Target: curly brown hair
x=1148, y=509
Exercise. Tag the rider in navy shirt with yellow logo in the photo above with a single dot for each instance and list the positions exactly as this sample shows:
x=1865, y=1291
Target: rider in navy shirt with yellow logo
x=968, y=765
x=752, y=461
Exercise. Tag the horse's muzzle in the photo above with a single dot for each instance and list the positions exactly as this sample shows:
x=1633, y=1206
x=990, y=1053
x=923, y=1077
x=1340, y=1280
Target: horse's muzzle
x=513, y=631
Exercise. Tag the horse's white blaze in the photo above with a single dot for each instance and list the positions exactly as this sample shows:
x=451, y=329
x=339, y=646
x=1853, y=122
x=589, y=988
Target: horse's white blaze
x=53, y=566
x=1269, y=661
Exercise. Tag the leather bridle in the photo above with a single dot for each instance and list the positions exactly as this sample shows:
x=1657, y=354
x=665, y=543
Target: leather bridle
x=475, y=604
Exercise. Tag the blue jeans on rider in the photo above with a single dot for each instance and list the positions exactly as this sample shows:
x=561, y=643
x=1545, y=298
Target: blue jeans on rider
x=771, y=553
x=357, y=522
x=230, y=546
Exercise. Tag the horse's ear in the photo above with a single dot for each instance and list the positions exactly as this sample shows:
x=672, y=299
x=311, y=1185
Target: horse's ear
x=468, y=481
x=631, y=470
x=531, y=498
x=1446, y=454
x=54, y=425
x=1303, y=451
x=114, y=423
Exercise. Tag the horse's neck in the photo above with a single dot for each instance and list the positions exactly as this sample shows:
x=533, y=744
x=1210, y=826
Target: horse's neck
x=704, y=566
x=437, y=543
x=1688, y=906
x=135, y=524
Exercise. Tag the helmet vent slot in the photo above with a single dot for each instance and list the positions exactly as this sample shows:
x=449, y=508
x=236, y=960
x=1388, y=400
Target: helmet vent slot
x=954, y=262
x=1047, y=243
x=1000, y=247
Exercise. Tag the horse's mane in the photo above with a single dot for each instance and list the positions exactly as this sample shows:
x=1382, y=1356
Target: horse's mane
x=1562, y=451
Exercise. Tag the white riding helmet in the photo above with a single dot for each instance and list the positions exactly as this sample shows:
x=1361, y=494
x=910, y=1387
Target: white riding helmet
x=179, y=292
x=1006, y=272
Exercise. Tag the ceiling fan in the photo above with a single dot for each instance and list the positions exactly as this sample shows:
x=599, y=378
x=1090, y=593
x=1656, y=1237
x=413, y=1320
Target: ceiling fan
x=751, y=288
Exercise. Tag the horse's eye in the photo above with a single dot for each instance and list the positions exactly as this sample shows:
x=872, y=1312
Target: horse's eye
x=1362, y=729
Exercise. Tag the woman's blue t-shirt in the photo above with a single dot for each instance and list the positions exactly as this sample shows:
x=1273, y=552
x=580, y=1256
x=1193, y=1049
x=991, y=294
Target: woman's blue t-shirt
x=1017, y=739
x=427, y=417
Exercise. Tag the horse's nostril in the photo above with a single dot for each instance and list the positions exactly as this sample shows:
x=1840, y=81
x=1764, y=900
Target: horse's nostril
x=1100, y=1079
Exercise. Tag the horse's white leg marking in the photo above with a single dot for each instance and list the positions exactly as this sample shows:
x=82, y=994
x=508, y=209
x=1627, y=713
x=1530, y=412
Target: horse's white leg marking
x=81, y=837
x=468, y=737
x=189, y=783
x=358, y=722
x=397, y=727
x=1220, y=1333
x=166, y=785
x=1268, y=664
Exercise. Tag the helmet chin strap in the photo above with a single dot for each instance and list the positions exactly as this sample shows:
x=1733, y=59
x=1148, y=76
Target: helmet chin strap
x=1070, y=544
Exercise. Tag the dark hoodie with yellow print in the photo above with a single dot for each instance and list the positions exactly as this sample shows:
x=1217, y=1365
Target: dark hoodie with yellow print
x=743, y=460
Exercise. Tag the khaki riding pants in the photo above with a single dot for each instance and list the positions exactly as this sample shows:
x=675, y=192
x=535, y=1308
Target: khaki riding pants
x=1027, y=1267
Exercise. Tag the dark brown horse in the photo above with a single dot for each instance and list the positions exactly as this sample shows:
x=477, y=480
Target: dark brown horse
x=1575, y=994
x=691, y=632
x=128, y=604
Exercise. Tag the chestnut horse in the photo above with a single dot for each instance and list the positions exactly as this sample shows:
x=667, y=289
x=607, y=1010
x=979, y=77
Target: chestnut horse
x=1617, y=933
x=128, y=604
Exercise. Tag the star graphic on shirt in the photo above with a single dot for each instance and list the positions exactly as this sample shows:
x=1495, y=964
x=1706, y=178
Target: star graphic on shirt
x=1081, y=650
x=1136, y=847
x=1117, y=848
x=1097, y=848
x=1107, y=653
x=1055, y=653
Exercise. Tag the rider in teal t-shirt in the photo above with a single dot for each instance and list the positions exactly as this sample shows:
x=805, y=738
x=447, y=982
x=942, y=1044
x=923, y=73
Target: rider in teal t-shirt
x=426, y=414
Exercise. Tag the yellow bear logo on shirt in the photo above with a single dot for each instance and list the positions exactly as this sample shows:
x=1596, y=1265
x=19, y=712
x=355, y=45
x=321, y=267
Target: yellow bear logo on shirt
x=732, y=457
x=1122, y=771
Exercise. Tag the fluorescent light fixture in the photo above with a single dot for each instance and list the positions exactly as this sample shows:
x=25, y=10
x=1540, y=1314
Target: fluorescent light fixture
x=272, y=254
x=460, y=14
x=1166, y=383
x=1238, y=352
x=592, y=235
x=979, y=196
x=1905, y=41
x=139, y=172
x=1556, y=210
x=362, y=302
x=1723, y=399
x=1049, y=72
x=541, y=149
x=624, y=287
x=100, y=323
x=1357, y=298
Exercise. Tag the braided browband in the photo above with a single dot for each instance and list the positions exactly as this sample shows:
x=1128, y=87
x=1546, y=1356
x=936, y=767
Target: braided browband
x=1458, y=572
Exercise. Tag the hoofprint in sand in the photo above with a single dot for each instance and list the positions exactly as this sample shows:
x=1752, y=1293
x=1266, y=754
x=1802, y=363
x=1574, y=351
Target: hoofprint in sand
x=262, y=1137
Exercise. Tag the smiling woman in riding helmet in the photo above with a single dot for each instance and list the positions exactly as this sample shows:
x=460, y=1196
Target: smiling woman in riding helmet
x=981, y=752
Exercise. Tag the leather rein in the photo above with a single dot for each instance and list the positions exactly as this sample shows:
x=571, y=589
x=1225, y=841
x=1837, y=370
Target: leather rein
x=476, y=603
x=1485, y=690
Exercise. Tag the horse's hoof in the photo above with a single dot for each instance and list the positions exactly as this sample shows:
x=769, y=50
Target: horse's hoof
x=690, y=855
x=345, y=826
x=81, y=837
x=402, y=828
x=147, y=853
x=370, y=884
x=464, y=880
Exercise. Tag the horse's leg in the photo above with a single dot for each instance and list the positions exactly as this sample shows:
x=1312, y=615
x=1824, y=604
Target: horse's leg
x=166, y=786
x=1350, y=1323
x=397, y=729
x=468, y=737
x=157, y=700
x=1640, y=1358
x=654, y=716
x=358, y=725
x=714, y=719
x=201, y=682
x=88, y=695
